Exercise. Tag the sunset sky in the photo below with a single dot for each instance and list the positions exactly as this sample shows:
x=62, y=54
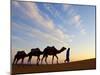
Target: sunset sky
x=40, y=25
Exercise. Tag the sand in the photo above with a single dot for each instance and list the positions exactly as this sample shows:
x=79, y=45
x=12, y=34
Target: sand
x=72, y=66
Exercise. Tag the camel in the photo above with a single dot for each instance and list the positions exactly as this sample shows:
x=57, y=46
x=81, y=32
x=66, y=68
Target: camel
x=34, y=52
x=19, y=55
x=51, y=51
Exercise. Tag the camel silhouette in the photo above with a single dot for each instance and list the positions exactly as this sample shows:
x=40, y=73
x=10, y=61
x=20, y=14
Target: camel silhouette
x=19, y=55
x=51, y=51
x=35, y=52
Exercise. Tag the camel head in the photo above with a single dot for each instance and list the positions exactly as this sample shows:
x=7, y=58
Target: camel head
x=62, y=49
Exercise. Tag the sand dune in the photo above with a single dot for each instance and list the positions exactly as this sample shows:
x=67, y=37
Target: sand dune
x=78, y=65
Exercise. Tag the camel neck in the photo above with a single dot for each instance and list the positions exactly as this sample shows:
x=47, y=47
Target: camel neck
x=60, y=50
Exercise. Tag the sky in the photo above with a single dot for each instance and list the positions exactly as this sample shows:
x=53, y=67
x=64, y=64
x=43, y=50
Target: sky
x=40, y=25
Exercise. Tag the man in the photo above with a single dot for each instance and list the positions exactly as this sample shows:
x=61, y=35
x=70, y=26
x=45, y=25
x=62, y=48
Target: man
x=67, y=55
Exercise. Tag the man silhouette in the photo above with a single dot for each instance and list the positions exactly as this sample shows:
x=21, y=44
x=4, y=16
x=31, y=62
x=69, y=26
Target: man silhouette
x=67, y=55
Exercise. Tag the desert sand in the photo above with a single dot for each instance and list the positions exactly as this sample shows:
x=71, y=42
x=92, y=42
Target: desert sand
x=72, y=66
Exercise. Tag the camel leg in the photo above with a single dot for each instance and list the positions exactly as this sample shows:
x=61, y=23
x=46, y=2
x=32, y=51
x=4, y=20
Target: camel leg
x=46, y=59
x=57, y=58
x=29, y=59
x=17, y=61
x=14, y=60
x=52, y=59
x=42, y=59
x=38, y=59
x=22, y=60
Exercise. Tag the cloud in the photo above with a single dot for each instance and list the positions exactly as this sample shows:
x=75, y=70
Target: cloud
x=78, y=23
x=71, y=12
x=49, y=8
x=54, y=11
x=54, y=35
x=15, y=3
x=83, y=31
x=21, y=26
x=74, y=18
x=55, y=39
x=66, y=7
x=77, y=18
x=49, y=35
x=32, y=11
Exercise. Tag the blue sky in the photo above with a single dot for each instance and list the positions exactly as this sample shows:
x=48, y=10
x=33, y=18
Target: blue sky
x=42, y=24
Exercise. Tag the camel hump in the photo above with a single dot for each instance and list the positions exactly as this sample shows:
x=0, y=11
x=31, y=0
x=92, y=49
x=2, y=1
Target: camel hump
x=48, y=47
x=35, y=49
x=21, y=53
